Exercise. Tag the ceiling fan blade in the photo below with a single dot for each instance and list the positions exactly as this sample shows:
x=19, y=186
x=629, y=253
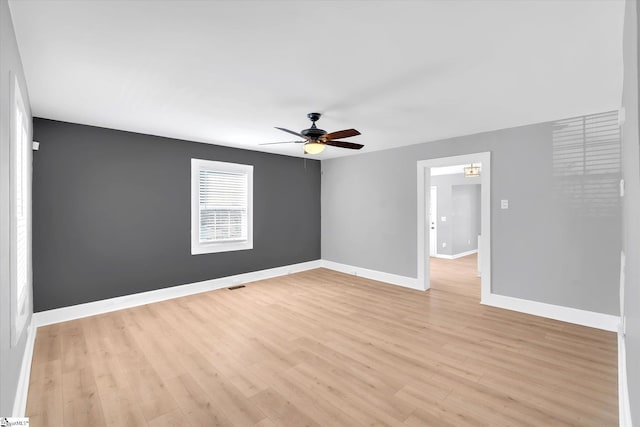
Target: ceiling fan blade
x=291, y=132
x=282, y=142
x=342, y=134
x=345, y=144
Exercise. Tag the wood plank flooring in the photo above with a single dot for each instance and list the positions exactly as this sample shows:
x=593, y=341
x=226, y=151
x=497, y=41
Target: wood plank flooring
x=325, y=348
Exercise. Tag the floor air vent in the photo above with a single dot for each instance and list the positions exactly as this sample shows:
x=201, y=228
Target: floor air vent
x=233, y=288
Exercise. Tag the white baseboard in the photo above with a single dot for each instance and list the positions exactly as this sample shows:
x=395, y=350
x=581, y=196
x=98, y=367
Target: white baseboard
x=624, y=405
x=394, y=279
x=20, y=402
x=591, y=319
x=112, y=304
x=567, y=314
x=608, y=322
x=456, y=256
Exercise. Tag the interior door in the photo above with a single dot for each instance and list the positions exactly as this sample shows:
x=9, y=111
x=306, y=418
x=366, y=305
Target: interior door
x=433, y=223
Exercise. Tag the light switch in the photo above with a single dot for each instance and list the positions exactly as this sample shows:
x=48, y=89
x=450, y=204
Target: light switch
x=504, y=204
x=443, y=218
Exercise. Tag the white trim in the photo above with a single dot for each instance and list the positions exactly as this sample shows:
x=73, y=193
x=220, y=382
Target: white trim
x=424, y=182
x=607, y=322
x=424, y=235
x=19, y=305
x=381, y=276
x=118, y=303
x=20, y=402
x=624, y=405
x=456, y=256
x=112, y=304
x=567, y=314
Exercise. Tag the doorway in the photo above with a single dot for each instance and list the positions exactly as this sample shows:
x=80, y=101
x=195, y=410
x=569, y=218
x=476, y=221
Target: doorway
x=424, y=218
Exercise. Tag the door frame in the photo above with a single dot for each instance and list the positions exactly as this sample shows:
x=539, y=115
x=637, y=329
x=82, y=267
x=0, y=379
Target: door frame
x=424, y=190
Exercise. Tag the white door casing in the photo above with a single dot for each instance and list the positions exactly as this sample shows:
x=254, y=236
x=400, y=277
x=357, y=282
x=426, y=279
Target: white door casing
x=424, y=196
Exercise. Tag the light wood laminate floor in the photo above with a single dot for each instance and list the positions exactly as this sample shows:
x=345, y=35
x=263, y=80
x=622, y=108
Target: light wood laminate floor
x=325, y=348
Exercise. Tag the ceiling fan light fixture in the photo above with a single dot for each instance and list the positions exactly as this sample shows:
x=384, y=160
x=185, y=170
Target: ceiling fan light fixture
x=315, y=139
x=314, y=147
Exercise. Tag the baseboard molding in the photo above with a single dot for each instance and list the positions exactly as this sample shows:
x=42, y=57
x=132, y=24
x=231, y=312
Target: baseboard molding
x=607, y=322
x=20, y=402
x=394, y=279
x=456, y=256
x=624, y=405
x=566, y=314
x=112, y=304
x=591, y=319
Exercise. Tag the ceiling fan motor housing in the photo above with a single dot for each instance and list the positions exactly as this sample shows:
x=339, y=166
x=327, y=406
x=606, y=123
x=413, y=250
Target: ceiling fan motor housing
x=313, y=133
x=314, y=117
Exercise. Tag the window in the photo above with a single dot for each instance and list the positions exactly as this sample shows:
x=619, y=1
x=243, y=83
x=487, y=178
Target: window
x=587, y=162
x=20, y=213
x=221, y=206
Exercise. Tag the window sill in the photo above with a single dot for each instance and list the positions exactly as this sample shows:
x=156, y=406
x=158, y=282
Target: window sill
x=210, y=248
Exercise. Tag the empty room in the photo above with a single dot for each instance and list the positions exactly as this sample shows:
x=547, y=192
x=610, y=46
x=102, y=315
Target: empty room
x=319, y=213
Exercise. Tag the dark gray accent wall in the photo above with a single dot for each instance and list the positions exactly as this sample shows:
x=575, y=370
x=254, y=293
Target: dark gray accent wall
x=631, y=202
x=10, y=356
x=112, y=213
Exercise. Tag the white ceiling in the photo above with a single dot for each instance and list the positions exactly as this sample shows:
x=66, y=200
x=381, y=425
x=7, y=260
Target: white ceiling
x=401, y=72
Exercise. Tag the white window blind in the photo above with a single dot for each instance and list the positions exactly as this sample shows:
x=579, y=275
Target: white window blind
x=221, y=206
x=587, y=163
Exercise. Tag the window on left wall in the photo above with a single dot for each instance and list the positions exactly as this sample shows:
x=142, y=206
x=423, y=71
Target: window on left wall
x=20, y=213
x=221, y=206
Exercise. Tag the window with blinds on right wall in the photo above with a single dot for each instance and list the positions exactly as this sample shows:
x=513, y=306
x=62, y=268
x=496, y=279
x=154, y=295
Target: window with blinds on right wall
x=20, y=214
x=587, y=163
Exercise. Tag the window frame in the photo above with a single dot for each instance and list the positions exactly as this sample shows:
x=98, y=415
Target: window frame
x=20, y=151
x=198, y=247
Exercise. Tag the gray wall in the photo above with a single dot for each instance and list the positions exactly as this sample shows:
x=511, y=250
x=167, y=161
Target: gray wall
x=112, y=213
x=546, y=247
x=631, y=203
x=461, y=223
x=10, y=357
x=465, y=207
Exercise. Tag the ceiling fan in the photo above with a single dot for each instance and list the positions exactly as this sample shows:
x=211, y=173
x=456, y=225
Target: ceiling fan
x=316, y=139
